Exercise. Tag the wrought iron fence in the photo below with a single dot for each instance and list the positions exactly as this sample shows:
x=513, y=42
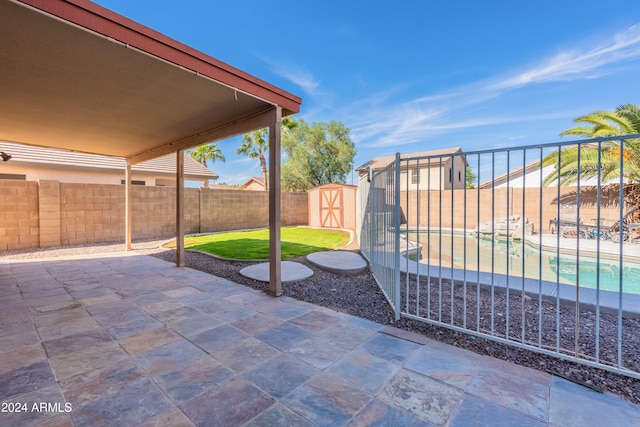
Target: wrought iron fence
x=498, y=244
x=380, y=241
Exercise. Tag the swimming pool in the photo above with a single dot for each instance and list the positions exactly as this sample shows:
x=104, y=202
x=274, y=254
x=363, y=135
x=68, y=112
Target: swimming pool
x=523, y=260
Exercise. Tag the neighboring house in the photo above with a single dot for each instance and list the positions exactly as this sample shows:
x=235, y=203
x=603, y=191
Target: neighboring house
x=529, y=177
x=443, y=169
x=254, y=183
x=32, y=163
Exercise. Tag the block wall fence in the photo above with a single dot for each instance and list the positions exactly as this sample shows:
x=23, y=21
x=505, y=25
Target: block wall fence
x=51, y=213
x=447, y=208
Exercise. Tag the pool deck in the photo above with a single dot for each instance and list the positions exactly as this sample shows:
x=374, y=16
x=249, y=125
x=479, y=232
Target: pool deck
x=128, y=339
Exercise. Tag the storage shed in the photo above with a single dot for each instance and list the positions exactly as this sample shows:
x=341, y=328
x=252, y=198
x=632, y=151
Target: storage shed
x=333, y=206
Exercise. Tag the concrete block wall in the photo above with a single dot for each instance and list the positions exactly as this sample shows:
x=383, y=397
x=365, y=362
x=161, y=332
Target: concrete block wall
x=91, y=213
x=240, y=209
x=154, y=211
x=218, y=207
x=19, y=219
x=448, y=207
x=295, y=209
x=51, y=213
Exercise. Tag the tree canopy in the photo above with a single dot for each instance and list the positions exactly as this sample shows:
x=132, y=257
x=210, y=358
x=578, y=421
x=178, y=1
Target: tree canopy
x=205, y=152
x=316, y=154
x=256, y=144
x=624, y=120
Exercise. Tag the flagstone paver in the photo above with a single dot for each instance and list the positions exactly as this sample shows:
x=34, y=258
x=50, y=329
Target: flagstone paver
x=445, y=363
x=512, y=386
x=232, y=403
x=572, y=404
x=424, y=397
x=327, y=400
x=280, y=375
x=474, y=410
x=192, y=379
x=244, y=355
x=389, y=348
x=133, y=340
x=364, y=370
x=319, y=352
x=284, y=336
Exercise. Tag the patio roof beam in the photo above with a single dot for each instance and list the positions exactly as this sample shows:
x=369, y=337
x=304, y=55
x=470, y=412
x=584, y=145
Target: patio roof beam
x=259, y=120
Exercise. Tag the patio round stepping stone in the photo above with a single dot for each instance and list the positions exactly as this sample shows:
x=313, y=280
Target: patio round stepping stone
x=291, y=271
x=340, y=262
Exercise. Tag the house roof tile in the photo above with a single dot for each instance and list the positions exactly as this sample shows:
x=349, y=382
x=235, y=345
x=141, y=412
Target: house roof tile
x=52, y=158
x=380, y=162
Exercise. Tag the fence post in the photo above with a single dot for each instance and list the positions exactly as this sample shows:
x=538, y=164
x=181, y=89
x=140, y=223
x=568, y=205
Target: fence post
x=371, y=217
x=396, y=277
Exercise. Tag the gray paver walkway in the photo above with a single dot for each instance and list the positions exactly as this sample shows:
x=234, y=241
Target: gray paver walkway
x=133, y=340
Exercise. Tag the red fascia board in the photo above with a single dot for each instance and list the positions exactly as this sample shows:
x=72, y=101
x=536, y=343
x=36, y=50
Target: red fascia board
x=101, y=20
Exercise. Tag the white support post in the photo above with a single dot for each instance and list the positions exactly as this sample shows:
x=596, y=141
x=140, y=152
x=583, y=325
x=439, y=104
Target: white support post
x=180, y=208
x=128, y=207
x=275, y=271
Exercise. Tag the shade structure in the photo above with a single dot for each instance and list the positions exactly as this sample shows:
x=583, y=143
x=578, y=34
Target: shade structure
x=77, y=76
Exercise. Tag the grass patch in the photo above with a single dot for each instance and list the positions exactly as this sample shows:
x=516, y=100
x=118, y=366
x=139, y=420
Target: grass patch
x=254, y=245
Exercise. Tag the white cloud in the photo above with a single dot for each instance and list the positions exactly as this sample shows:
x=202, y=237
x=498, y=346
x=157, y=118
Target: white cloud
x=579, y=63
x=376, y=125
x=302, y=78
x=299, y=77
x=243, y=159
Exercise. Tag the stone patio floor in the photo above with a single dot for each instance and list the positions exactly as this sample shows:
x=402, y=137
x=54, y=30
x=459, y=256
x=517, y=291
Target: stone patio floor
x=127, y=339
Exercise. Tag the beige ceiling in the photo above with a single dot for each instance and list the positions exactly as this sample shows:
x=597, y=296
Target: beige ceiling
x=106, y=85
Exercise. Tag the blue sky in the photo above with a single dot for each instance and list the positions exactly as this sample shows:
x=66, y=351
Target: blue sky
x=418, y=75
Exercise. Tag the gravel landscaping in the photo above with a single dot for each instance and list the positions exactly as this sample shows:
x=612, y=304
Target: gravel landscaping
x=359, y=295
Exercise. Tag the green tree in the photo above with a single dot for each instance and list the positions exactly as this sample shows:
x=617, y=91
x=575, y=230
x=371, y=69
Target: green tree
x=256, y=144
x=205, y=152
x=624, y=120
x=316, y=154
x=470, y=177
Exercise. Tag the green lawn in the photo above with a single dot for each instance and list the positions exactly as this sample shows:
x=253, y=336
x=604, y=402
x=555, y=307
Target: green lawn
x=254, y=245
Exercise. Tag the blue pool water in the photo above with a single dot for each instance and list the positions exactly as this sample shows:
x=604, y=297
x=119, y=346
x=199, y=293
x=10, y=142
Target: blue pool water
x=518, y=259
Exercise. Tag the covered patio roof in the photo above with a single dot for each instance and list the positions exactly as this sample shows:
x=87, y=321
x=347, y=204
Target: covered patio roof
x=71, y=68
x=72, y=71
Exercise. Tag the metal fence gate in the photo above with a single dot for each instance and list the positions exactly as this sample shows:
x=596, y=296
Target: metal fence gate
x=497, y=244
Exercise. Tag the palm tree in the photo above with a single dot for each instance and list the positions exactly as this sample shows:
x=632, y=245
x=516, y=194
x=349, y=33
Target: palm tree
x=624, y=120
x=255, y=144
x=206, y=152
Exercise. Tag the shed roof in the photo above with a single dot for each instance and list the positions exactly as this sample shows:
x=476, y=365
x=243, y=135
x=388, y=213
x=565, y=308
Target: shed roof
x=334, y=186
